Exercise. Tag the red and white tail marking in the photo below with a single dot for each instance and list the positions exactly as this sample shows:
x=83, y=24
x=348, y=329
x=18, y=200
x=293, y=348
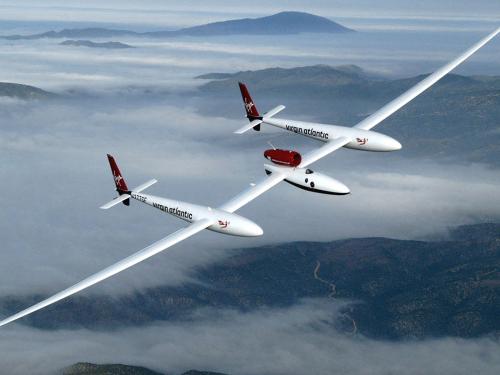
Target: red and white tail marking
x=121, y=185
x=250, y=108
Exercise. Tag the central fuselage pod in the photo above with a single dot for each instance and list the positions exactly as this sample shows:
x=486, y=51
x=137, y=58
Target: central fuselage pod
x=309, y=180
x=365, y=140
x=225, y=222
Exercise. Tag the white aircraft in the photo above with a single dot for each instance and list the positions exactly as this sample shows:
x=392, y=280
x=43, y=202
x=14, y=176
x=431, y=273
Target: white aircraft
x=289, y=166
x=221, y=221
x=360, y=136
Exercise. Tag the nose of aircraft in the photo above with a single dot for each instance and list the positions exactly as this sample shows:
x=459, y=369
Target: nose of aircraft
x=396, y=145
x=340, y=188
x=253, y=230
x=389, y=143
x=247, y=228
x=241, y=226
x=392, y=144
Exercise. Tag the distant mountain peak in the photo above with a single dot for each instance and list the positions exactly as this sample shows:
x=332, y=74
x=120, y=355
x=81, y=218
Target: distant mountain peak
x=90, y=44
x=297, y=16
x=84, y=368
x=283, y=23
x=26, y=92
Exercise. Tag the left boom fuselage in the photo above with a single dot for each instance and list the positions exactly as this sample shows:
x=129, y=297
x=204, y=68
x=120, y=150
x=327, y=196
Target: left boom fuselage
x=365, y=140
x=224, y=222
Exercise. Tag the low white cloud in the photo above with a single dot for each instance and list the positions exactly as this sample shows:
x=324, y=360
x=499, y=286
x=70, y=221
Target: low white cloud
x=293, y=341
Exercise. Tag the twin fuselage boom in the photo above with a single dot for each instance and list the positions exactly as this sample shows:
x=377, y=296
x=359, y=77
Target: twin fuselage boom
x=364, y=140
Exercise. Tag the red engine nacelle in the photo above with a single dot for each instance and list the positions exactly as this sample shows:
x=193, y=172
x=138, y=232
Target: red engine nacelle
x=283, y=157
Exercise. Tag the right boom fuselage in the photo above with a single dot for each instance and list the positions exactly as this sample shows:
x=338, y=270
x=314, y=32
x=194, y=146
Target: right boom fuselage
x=365, y=140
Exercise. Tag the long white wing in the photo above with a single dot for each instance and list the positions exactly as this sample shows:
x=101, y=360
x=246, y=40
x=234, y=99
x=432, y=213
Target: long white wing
x=387, y=110
x=253, y=192
x=250, y=194
x=133, y=259
x=324, y=150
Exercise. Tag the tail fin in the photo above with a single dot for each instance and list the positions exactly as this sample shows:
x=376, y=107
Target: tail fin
x=250, y=108
x=121, y=185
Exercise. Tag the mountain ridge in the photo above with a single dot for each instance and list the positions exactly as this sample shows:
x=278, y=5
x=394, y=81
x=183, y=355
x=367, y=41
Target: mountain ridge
x=86, y=368
x=90, y=44
x=25, y=92
x=408, y=289
x=283, y=23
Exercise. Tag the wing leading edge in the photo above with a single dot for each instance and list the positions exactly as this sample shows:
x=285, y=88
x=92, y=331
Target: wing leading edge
x=123, y=264
x=391, y=107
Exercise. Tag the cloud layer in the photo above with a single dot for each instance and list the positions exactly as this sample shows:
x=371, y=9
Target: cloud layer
x=293, y=341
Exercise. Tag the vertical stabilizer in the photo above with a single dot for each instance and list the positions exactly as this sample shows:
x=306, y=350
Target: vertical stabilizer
x=121, y=185
x=250, y=108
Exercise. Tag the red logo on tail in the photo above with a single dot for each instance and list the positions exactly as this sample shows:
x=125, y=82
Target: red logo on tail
x=249, y=105
x=118, y=179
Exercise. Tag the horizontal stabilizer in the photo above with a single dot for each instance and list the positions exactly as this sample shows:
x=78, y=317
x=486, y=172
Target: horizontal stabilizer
x=273, y=111
x=115, y=201
x=248, y=126
x=144, y=186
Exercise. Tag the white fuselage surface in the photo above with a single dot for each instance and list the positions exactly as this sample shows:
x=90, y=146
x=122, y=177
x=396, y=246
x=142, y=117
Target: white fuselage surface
x=366, y=140
x=224, y=222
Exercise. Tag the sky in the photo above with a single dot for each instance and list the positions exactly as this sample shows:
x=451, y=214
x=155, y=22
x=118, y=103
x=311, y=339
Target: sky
x=138, y=104
x=444, y=9
x=171, y=14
